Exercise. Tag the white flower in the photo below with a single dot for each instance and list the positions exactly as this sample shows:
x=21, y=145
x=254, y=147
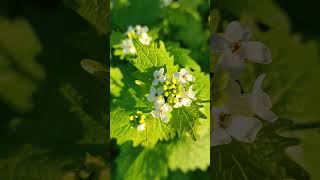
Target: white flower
x=154, y=93
x=236, y=117
x=165, y=3
x=159, y=101
x=236, y=47
x=227, y=125
x=145, y=39
x=161, y=112
x=182, y=101
x=141, y=127
x=191, y=93
x=141, y=30
x=131, y=32
x=184, y=76
x=128, y=47
x=259, y=102
x=158, y=76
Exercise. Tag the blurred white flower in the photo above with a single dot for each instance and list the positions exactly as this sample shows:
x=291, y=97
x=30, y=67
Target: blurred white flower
x=141, y=30
x=182, y=100
x=259, y=101
x=191, y=93
x=154, y=93
x=161, y=112
x=235, y=47
x=165, y=3
x=145, y=39
x=227, y=125
x=128, y=47
x=236, y=117
x=131, y=32
x=158, y=76
x=141, y=127
x=184, y=76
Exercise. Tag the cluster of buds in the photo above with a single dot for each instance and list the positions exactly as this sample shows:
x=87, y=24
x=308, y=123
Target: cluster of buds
x=138, y=120
x=138, y=32
x=170, y=91
x=238, y=117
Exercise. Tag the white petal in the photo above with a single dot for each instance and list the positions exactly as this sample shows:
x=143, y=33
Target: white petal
x=155, y=113
x=219, y=137
x=165, y=119
x=182, y=81
x=186, y=102
x=159, y=90
x=159, y=101
x=161, y=71
x=218, y=43
x=177, y=105
x=189, y=77
x=153, y=90
x=155, y=73
x=165, y=108
x=141, y=127
x=162, y=78
x=183, y=71
x=155, y=82
x=150, y=98
x=257, y=52
x=267, y=115
x=176, y=74
x=260, y=101
x=244, y=129
x=191, y=93
x=236, y=32
x=230, y=63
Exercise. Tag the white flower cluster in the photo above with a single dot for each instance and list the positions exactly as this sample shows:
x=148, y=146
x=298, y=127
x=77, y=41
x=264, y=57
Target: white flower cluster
x=171, y=91
x=138, y=32
x=238, y=116
x=165, y=3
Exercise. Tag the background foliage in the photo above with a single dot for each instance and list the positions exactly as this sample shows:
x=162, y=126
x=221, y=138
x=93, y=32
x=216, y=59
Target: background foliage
x=53, y=114
x=283, y=149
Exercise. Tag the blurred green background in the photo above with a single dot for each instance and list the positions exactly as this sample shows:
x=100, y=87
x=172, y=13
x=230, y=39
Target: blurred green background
x=290, y=30
x=53, y=113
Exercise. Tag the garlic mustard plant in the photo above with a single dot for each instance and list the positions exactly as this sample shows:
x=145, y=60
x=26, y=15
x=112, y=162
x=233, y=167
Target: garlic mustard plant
x=170, y=91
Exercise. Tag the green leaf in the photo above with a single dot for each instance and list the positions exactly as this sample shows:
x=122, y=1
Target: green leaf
x=135, y=12
x=155, y=163
x=153, y=56
x=121, y=129
x=141, y=163
x=182, y=57
x=96, y=12
x=19, y=73
x=197, y=153
x=116, y=83
x=186, y=119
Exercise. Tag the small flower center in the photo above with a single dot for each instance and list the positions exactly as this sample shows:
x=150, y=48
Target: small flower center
x=235, y=47
x=224, y=117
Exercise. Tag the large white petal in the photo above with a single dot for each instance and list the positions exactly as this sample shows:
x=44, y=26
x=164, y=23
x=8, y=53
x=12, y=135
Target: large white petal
x=244, y=129
x=218, y=44
x=236, y=32
x=257, y=52
x=231, y=64
x=219, y=137
x=155, y=113
x=260, y=101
